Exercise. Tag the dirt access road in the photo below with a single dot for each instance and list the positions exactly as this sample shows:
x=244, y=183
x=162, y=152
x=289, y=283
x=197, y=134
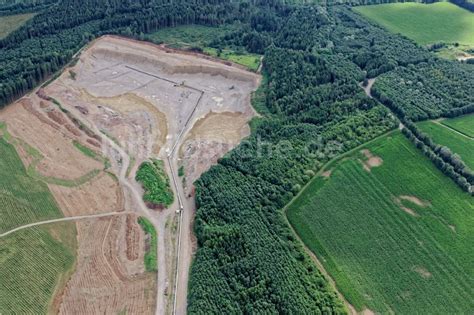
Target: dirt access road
x=144, y=102
x=77, y=218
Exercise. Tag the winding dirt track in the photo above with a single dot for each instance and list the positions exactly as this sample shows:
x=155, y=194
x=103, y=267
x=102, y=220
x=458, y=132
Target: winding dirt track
x=76, y=218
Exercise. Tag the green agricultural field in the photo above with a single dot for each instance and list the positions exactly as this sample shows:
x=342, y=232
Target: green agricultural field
x=463, y=124
x=10, y=23
x=200, y=37
x=23, y=199
x=397, y=238
x=156, y=183
x=33, y=264
x=456, y=142
x=251, y=61
x=424, y=23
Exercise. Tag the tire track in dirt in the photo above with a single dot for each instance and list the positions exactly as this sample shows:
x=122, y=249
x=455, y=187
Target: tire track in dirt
x=75, y=218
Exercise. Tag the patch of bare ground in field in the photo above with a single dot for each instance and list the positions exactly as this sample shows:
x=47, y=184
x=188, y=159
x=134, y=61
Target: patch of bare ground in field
x=326, y=174
x=417, y=201
x=110, y=276
x=370, y=160
x=413, y=200
x=422, y=272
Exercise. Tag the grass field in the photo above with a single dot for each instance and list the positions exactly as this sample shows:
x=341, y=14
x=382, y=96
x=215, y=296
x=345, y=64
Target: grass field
x=463, y=124
x=33, y=262
x=387, y=250
x=457, y=143
x=22, y=199
x=424, y=23
x=10, y=23
x=197, y=36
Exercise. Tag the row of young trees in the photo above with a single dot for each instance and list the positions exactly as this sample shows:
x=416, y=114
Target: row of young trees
x=466, y=4
x=448, y=162
x=10, y=7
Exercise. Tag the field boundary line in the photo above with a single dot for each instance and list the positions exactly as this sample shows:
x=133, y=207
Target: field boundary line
x=330, y=162
x=452, y=129
x=65, y=219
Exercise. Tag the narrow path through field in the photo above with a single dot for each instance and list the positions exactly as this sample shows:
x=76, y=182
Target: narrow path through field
x=76, y=218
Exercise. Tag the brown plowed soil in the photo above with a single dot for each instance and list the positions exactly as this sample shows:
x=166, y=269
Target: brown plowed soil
x=25, y=120
x=106, y=281
x=100, y=195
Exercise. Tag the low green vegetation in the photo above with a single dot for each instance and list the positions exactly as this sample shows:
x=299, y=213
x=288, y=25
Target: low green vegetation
x=32, y=264
x=131, y=164
x=181, y=171
x=200, y=38
x=259, y=96
x=395, y=237
x=156, y=184
x=151, y=244
x=92, y=154
x=23, y=199
x=463, y=124
x=251, y=61
x=424, y=23
x=85, y=150
x=32, y=261
x=10, y=23
x=445, y=136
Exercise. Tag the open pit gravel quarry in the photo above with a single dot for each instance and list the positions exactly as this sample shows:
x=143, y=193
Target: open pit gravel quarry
x=129, y=101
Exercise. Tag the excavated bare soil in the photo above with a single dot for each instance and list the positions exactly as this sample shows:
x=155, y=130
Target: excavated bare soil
x=109, y=276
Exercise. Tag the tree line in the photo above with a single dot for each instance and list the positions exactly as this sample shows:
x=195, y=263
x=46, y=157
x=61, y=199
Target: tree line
x=448, y=162
x=466, y=4
x=10, y=7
